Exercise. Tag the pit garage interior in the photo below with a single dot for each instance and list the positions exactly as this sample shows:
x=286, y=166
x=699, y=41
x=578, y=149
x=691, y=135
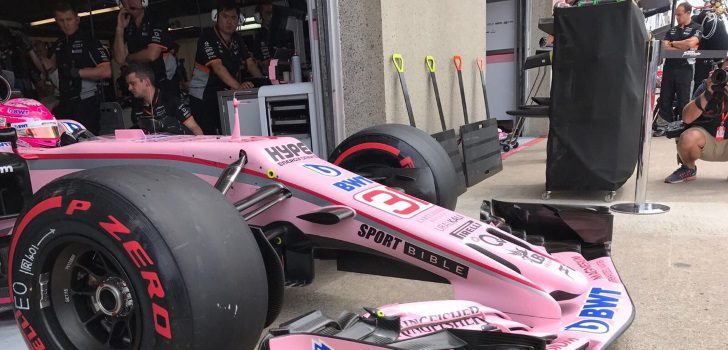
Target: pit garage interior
x=666, y=261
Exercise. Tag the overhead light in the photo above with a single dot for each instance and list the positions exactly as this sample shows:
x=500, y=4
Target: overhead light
x=249, y=27
x=80, y=14
x=180, y=28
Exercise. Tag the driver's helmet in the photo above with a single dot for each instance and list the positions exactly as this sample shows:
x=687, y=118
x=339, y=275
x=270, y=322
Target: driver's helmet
x=34, y=123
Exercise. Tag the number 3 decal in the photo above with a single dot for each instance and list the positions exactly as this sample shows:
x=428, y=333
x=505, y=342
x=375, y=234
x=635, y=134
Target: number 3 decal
x=393, y=202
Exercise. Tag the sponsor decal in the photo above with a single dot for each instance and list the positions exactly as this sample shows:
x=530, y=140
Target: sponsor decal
x=5, y=144
x=607, y=271
x=324, y=170
x=559, y=344
x=433, y=323
x=453, y=220
x=436, y=260
x=392, y=202
x=597, y=311
x=378, y=236
x=28, y=332
x=432, y=215
x=17, y=111
x=691, y=54
x=144, y=263
x=6, y=169
x=353, y=183
x=584, y=265
x=527, y=255
x=466, y=229
x=490, y=240
x=289, y=153
x=320, y=345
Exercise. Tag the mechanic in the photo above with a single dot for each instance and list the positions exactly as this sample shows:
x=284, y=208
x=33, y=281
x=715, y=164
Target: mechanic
x=678, y=73
x=220, y=59
x=138, y=38
x=81, y=62
x=264, y=43
x=154, y=110
x=704, y=139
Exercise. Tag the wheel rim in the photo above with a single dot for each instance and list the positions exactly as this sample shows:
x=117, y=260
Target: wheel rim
x=94, y=304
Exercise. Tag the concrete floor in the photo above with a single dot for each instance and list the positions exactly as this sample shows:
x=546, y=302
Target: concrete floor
x=670, y=263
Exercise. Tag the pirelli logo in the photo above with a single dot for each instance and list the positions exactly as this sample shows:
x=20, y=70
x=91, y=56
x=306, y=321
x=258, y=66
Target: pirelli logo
x=466, y=229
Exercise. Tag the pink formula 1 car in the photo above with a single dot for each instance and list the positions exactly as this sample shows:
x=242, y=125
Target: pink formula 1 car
x=140, y=241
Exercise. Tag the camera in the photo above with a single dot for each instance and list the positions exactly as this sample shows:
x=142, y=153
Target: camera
x=719, y=80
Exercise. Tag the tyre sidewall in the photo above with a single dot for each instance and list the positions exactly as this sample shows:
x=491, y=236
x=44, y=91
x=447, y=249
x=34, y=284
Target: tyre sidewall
x=421, y=148
x=141, y=250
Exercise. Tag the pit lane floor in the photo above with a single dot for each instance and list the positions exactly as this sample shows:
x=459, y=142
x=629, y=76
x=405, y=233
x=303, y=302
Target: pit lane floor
x=672, y=264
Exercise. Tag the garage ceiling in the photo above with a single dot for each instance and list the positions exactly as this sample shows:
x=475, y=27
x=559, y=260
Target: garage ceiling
x=27, y=11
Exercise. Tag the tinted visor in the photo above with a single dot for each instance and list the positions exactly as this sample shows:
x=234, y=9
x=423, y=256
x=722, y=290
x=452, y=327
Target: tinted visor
x=46, y=129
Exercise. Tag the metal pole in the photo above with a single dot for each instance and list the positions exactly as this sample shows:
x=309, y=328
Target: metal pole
x=640, y=206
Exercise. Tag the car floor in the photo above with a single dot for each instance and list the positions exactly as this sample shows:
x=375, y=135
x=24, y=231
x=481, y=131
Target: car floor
x=671, y=263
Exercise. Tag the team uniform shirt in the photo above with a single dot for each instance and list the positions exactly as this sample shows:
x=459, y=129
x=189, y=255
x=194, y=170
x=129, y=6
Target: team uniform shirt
x=151, y=33
x=211, y=48
x=78, y=51
x=710, y=120
x=166, y=114
x=678, y=33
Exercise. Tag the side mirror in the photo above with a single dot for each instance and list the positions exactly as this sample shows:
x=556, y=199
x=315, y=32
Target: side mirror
x=5, y=89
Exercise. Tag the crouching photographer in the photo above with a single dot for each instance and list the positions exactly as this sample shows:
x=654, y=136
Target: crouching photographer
x=703, y=135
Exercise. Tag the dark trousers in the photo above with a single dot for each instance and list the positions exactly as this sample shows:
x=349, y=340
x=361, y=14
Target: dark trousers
x=675, y=87
x=209, y=112
x=86, y=112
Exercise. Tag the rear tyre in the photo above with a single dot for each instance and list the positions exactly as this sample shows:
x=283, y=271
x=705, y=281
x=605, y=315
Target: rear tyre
x=397, y=146
x=136, y=257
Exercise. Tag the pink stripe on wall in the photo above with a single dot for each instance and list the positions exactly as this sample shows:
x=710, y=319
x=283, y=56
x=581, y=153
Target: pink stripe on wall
x=500, y=58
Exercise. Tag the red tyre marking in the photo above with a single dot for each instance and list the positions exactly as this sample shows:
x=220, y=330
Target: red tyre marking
x=48, y=204
x=407, y=163
x=365, y=146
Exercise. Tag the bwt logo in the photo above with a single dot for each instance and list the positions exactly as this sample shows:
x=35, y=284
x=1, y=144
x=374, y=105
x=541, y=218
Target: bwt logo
x=7, y=169
x=598, y=310
x=18, y=111
x=353, y=183
x=320, y=345
x=323, y=170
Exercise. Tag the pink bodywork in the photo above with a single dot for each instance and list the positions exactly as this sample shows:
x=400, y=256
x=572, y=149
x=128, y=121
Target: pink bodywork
x=438, y=240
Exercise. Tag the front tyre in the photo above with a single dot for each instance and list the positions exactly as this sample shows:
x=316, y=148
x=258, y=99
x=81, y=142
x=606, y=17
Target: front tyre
x=135, y=257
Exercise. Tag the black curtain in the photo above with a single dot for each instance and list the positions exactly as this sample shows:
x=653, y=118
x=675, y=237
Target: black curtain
x=599, y=68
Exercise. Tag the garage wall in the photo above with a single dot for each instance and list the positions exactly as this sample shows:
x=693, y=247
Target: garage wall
x=417, y=28
x=372, y=30
x=361, y=47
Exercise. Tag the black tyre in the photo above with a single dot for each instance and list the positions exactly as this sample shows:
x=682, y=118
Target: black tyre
x=379, y=150
x=136, y=257
x=506, y=148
